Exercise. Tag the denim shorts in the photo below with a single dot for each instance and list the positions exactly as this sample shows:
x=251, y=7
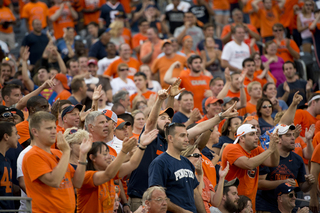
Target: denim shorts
x=222, y=12
x=307, y=40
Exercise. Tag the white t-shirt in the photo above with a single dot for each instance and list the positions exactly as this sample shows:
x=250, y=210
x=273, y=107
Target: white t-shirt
x=235, y=54
x=156, y=86
x=116, y=144
x=118, y=84
x=195, y=32
x=108, y=106
x=183, y=6
x=20, y=174
x=104, y=63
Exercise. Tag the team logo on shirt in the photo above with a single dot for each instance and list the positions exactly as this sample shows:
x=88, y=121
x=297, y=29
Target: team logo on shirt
x=252, y=173
x=183, y=173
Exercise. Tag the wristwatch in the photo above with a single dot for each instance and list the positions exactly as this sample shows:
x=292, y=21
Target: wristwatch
x=220, y=116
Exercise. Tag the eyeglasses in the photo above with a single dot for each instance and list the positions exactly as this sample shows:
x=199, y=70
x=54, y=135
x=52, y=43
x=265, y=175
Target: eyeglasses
x=277, y=30
x=266, y=106
x=195, y=155
x=7, y=115
x=72, y=131
x=125, y=69
x=173, y=40
x=290, y=195
x=160, y=200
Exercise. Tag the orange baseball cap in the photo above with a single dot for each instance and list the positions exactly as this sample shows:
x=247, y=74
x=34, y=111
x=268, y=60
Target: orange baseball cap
x=63, y=79
x=111, y=115
x=212, y=100
x=166, y=41
x=169, y=111
x=121, y=123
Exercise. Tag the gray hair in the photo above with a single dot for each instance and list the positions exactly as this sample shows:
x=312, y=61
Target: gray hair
x=121, y=95
x=148, y=193
x=91, y=117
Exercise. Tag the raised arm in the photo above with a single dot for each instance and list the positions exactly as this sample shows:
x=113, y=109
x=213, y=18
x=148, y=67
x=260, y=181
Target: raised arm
x=74, y=13
x=223, y=93
x=308, y=151
x=288, y=116
x=243, y=96
x=25, y=77
x=168, y=76
x=57, y=14
x=173, y=90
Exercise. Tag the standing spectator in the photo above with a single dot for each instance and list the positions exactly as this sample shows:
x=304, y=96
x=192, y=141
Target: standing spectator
x=234, y=52
x=244, y=204
x=67, y=42
x=35, y=10
x=61, y=87
x=213, y=108
x=288, y=50
x=255, y=93
x=138, y=124
x=182, y=5
x=139, y=38
x=211, y=57
x=245, y=157
x=249, y=65
x=98, y=49
x=274, y=62
x=116, y=32
x=208, y=31
x=216, y=85
x=36, y=41
x=150, y=49
x=123, y=82
x=70, y=116
x=73, y=69
x=122, y=98
x=6, y=30
x=6, y=71
x=287, y=89
x=315, y=170
x=187, y=43
x=269, y=91
x=92, y=37
x=91, y=10
x=108, y=11
x=174, y=16
x=140, y=80
x=79, y=91
x=152, y=85
x=11, y=94
x=202, y=11
x=111, y=56
x=62, y=15
x=262, y=72
x=221, y=14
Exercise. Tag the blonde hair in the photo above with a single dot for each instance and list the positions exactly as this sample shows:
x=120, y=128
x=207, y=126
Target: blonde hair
x=249, y=87
x=278, y=117
x=189, y=150
x=75, y=137
x=114, y=27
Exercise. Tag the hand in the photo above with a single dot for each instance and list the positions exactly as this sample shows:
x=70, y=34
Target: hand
x=187, y=24
x=49, y=83
x=231, y=112
x=274, y=101
x=126, y=209
x=309, y=133
x=223, y=173
x=195, y=115
x=309, y=84
x=297, y=98
x=25, y=55
x=314, y=205
x=84, y=114
x=174, y=88
x=297, y=131
x=163, y=94
x=86, y=145
x=303, y=210
x=310, y=179
x=68, y=4
x=198, y=166
x=142, y=209
x=227, y=75
x=147, y=137
x=286, y=87
x=176, y=64
x=208, y=93
x=97, y=93
x=62, y=144
x=274, y=140
x=128, y=144
x=287, y=42
x=291, y=181
x=243, y=75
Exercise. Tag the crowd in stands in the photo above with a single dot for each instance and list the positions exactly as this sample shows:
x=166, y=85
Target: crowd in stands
x=154, y=106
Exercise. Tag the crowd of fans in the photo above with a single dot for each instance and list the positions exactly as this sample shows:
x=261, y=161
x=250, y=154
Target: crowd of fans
x=153, y=106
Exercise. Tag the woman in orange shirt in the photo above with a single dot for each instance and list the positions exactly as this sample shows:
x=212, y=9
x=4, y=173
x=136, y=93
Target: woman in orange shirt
x=187, y=43
x=138, y=123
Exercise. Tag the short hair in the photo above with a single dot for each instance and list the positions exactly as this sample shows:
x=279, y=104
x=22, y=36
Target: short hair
x=314, y=94
x=122, y=65
x=37, y=118
x=185, y=92
x=94, y=24
x=148, y=193
x=96, y=147
x=234, y=29
x=120, y=95
x=76, y=137
x=116, y=105
x=7, y=89
x=141, y=21
x=193, y=57
x=288, y=62
x=6, y=128
x=190, y=12
x=278, y=25
x=206, y=26
x=251, y=84
x=57, y=107
x=235, y=10
x=140, y=74
x=155, y=30
x=214, y=80
x=17, y=74
x=242, y=202
x=91, y=117
x=170, y=129
x=259, y=105
x=126, y=117
x=4, y=64
x=247, y=60
x=70, y=61
x=34, y=101
x=76, y=84
x=224, y=130
x=234, y=73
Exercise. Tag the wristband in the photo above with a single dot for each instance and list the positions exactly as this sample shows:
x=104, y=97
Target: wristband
x=126, y=204
x=83, y=163
x=142, y=148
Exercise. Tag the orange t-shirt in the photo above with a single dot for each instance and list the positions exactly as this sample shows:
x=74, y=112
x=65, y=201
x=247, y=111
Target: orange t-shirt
x=254, y=17
x=283, y=51
x=6, y=15
x=267, y=19
x=92, y=198
x=305, y=119
x=60, y=129
x=317, y=126
x=248, y=178
x=163, y=63
x=203, y=119
x=38, y=162
x=316, y=140
x=32, y=11
x=133, y=64
x=249, y=109
x=287, y=15
x=221, y=125
x=64, y=95
x=299, y=146
x=264, y=80
x=247, y=81
x=137, y=40
x=237, y=94
x=134, y=135
x=146, y=48
x=126, y=5
x=221, y=5
x=89, y=5
x=198, y=85
x=126, y=34
x=64, y=21
x=209, y=170
x=146, y=95
x=316, y=158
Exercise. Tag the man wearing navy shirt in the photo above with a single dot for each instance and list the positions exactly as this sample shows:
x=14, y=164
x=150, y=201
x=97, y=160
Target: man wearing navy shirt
x=176, y=173
x=109, y=11
x=98, y=49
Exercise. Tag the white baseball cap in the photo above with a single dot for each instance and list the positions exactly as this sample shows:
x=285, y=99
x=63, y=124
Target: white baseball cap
x=244, y=129
x=283, y=129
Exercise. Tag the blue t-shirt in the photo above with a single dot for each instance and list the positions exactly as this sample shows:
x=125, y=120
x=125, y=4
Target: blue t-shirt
x=179, y=117
x=138, y=182
x=282, y=105
x=207, y=152
x=98, y=50
x=217, y=41
x=36, y=45
x=298, y=85
x=222, y=140
x=73, y=100
x=289, y=167
x=62, y=48
x=108, y=12
x=6, y=188
x=264, y=126
x=177, y=176
x=12, y=155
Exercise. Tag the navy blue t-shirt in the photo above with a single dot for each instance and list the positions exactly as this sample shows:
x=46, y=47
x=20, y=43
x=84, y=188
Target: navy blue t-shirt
x=98, y=50
x=138, y=182
x=201, y=12
x=12, y=155
x=6, y=188
x=217, y=41
x=36, y=45
x=207, y=152
x=177, y=176
x=289, y=167
x=108, y=12
x=179, y=117
x=298, y=85
x=264, y=126
x=222, y=140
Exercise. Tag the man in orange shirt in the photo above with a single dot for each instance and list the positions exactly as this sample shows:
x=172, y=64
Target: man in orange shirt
x=213, y=108
x=162, y=64
x=141, y=37
x=140, y=80
x=48, y=176
x=125, y=57
x=245, y=157
x=35, y=10
x=249, y=65
x=61, y=87
x=287, y=48
x=91, y=10
x=150, y=50
x=255, y=92
x=6, y=31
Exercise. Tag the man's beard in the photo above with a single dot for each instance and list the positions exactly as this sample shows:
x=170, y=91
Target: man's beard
x=230, y=206
x=161, y=131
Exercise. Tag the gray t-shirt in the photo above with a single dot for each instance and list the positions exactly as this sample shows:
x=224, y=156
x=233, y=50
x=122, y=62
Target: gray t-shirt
x=194, y=31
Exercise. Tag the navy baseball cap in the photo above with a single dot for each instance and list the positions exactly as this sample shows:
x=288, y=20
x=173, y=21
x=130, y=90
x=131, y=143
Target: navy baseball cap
x=285, y=188
x=70, y=108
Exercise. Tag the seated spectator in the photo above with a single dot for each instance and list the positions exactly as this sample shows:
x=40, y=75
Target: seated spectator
x=61, y=87
x=255, y=92
x=108, y=11
x=104, y=103
x=150, y=49
x=262, y=72
x=274, y=62
x=70, y=116
x=211, y=58
x=244, y=204
x=6, y=71
x=140, y=80
x=288, y=50
x=182, y=6
x=187, y=43
x=123, y=82
x=249, y=66
x=208, y=31
x=68, y=39
x=123, y=98
x=138, y=124
x=121, y=132
x=269, y=91
x=155, y=198
x=152, y=85
x=92, y=36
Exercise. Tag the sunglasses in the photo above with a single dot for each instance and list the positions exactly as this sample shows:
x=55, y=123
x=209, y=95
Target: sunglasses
x=278, y=30
x=309, y=5
x=125, y=69
x=266, y=106
x=195, y=155
x=72, y=131
x=290, y=195
x=7, y=115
